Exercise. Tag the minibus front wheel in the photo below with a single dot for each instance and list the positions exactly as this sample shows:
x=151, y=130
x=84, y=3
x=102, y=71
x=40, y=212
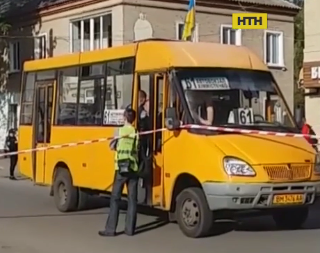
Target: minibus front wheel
x=64, y=193
x=193, y=215
x=290, y=218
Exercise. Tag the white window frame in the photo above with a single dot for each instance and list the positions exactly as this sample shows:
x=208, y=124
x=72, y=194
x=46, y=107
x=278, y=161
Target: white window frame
x=281, y=48
x=91, y=21
x=44, y=48
x=195, y=33
x=14, y=57
x=237, y=31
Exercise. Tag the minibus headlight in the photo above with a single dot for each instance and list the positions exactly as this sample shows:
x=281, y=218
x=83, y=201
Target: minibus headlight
x=237, y=167
x=317, y=164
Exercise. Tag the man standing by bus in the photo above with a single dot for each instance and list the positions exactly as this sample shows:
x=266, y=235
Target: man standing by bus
x=12, y=146
x=126, y=166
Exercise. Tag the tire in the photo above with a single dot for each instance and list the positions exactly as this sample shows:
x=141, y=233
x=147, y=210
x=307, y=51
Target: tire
x=65, y=194
x=198, y=221
x=83, y=200
x=290, y=219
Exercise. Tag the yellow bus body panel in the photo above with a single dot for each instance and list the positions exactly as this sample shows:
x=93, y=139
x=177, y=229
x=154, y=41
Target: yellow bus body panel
x=25, y=143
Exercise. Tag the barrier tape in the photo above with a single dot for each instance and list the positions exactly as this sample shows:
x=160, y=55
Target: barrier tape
x=248, y=131
x=210, y=128
x=74, y=144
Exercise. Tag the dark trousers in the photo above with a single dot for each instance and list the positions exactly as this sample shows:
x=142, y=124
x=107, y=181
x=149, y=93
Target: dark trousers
x=131, y=217
x=13, y=163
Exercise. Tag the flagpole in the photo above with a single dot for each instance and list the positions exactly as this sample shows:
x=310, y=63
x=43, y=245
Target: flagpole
x=194, y=7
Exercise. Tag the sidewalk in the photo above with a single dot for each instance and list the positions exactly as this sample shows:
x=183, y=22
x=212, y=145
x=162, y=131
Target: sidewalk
x=4, y=168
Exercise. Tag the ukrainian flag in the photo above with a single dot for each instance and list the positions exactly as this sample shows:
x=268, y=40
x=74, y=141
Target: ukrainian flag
x=190, y=21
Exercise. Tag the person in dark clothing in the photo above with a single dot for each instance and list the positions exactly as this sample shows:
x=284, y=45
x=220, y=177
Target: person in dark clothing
x=143, y=123
x=143, y=111
x=12, y=146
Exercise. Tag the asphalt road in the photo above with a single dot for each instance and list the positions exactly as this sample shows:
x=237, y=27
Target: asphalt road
x=29, y=223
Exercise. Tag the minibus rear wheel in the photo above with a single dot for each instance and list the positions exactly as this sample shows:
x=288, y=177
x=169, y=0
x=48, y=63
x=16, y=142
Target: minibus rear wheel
x=65, y=194
x=291, y=218
x=193, y=215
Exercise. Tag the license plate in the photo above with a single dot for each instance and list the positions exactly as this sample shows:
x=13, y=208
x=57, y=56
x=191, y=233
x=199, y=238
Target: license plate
x=286, y=199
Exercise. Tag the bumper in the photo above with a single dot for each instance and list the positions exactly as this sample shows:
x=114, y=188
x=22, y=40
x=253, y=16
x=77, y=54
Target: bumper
x=255, y=196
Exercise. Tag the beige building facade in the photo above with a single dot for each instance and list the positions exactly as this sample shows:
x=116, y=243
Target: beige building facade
x=311, y=67
x=79, y=25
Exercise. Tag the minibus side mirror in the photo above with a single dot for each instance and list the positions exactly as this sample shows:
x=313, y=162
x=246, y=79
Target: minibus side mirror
x=171, y=120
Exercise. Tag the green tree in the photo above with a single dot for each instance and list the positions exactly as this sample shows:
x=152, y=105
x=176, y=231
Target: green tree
x=298, y=50
x=4, y=28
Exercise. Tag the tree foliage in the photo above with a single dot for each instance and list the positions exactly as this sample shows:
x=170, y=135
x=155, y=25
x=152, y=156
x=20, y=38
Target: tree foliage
x=298, y=50
x=4, y=27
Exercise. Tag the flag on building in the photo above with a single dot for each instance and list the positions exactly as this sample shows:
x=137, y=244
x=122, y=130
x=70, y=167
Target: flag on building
x=190, y=21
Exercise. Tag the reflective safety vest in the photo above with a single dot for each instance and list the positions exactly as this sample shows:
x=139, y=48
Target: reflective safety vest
x=125, y=148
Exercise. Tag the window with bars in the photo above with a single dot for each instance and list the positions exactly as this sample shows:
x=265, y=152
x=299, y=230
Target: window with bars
x=179, y=32
x=230, y=36
x=14, y=56
x=40, y=46
x=273, y=49
x=91, y=33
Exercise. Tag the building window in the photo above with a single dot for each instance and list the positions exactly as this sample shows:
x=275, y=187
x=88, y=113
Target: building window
x=90, y=34
x=179, y=32
x=40, y=46
x=14, y=56
x=273, y=48
x=230, y=36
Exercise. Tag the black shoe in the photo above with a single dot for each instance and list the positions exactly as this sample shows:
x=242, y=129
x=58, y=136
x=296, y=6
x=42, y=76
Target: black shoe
x=105, y=233
x=12, y=178
x=129, y=233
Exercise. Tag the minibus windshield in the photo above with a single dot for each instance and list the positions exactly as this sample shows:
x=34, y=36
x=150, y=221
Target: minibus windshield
x=235, y=98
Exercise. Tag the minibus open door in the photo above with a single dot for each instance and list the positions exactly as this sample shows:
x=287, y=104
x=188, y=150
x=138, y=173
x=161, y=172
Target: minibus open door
x=150, y=185
x=44, y=101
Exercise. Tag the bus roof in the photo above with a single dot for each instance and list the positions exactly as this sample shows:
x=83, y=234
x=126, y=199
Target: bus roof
x=159, y=54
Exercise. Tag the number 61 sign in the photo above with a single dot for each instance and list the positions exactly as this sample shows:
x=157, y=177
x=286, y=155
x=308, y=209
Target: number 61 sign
x=245, y=116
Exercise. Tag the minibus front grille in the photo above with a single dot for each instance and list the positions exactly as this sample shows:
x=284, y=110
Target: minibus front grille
x=288, y=172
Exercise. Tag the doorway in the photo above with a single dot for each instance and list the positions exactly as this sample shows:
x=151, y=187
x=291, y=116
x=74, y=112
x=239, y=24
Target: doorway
x=43, y=107
x=150, y=186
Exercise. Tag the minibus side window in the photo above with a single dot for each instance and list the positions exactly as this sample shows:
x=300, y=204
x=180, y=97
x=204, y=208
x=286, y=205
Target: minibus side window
x=67, y=97
x=90, y=97
x=28, y=88
x=118, y=90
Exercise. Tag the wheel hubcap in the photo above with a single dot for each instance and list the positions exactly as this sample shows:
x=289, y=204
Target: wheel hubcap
x=62, y=194
x=190, y=213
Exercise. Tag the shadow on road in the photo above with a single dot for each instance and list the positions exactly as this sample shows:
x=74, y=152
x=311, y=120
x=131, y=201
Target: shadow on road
x=260, y=223
x=158, y=223
x=96, y=206
x=17, y=178
x=267, y=225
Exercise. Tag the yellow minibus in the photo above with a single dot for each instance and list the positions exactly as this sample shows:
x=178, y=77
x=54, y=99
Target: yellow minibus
x=193, y=174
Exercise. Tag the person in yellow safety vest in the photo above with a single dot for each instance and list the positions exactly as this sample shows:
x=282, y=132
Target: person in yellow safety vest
x=126, y=172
